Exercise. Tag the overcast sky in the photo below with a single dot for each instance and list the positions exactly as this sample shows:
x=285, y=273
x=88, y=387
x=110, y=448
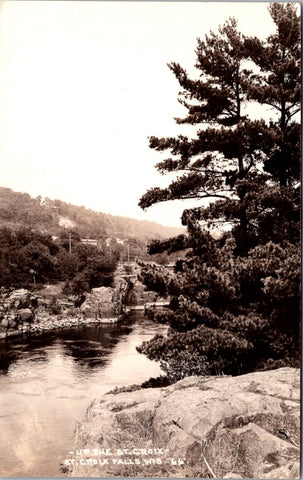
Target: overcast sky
x=82, y=86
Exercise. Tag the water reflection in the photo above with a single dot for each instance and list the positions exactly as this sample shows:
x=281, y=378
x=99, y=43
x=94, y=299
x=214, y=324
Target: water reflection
x=88, y=345
x=47, y=383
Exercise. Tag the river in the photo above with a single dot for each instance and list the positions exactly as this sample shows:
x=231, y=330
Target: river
x=47, y=382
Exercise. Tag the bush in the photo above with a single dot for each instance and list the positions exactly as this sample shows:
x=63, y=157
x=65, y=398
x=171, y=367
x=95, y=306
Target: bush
x=183, y=365
x=55, y=307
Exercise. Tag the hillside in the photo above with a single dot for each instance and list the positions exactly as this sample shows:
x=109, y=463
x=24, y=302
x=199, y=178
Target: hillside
x=52, y=216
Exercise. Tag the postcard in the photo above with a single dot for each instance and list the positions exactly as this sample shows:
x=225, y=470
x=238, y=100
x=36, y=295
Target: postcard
x=150, y=239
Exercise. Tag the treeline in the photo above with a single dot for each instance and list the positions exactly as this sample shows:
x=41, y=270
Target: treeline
x=29, y=259
x=43, y=214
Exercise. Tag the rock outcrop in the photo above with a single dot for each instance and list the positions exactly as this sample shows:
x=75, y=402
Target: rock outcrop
x=136, y=293
x=104, y=302
x=223, y=427
x=24, y=312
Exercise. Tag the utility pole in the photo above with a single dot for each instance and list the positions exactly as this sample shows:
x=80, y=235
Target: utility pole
x=70, y=242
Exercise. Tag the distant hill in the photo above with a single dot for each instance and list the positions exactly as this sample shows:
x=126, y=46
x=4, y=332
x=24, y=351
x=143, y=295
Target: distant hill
x=52, y=216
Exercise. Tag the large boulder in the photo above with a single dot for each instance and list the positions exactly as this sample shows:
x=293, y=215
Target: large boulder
x=25, y=314
x=105, y=302
x=102, y=302
x=224, y=427
x=20, y=298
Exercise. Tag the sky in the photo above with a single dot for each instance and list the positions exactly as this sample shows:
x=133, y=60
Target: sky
x=83, y=84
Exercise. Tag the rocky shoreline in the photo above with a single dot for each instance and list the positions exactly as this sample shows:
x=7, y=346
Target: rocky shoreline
x=26, y=313
x=222, y=427
x=52, y=323
x=23, y=312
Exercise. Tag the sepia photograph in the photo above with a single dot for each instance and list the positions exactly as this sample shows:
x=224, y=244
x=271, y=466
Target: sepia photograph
x=150, y=269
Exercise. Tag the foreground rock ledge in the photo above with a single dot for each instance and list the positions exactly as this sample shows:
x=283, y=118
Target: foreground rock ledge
x=227, y=427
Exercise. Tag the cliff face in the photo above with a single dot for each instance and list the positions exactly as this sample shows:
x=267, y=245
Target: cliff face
x=136, y=294
x=105, y=302
x=223, y=427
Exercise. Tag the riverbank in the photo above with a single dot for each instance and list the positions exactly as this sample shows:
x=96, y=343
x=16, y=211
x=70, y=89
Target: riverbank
x=25, y=313
x=223, y=427
x=53, y=323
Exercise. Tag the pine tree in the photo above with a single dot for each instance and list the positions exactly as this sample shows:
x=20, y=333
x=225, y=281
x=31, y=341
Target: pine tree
x=230, y=302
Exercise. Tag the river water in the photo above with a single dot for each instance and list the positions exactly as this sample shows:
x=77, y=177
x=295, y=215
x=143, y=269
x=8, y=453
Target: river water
x=47, y=382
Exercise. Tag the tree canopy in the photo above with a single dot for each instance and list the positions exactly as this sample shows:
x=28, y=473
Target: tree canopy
x=235, y=299
x=28, y=258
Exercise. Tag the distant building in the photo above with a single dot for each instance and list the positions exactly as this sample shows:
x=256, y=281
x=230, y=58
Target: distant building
x=92, y=241
x=121, y=242
x=109, y=240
